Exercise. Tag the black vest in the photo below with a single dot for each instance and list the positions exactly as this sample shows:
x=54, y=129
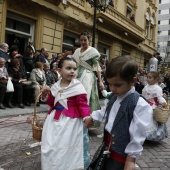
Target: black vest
x=120, y=136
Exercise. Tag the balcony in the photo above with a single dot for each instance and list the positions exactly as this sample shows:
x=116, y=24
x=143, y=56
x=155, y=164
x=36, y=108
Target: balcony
x=112, y=19
x=121, y=22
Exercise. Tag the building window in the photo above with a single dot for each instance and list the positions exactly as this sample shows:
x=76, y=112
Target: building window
x=19, y=31
x=103, y=50
x=159, y=12
x=111, y=3
x=147, y=28
x=129, y=11
x=152, y=28
x=159, y=1
x=68, y=40
x=147, y=25
x=159, y=22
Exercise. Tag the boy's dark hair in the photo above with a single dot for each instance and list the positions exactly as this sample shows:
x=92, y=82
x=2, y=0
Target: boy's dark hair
x=122, y=66
x=61, y=62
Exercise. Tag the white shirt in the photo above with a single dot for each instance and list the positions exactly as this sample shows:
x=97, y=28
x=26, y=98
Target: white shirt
x=142, y=117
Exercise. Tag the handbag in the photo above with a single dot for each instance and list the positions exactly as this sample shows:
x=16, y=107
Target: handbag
x=99, y=159
x=9, y=87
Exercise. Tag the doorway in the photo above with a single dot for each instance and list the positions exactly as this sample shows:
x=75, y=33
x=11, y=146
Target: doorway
x=19, y=31
x=18, y=40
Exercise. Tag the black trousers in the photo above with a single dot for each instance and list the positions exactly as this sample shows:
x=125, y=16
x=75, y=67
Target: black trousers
x=18, y=93
x=2, y=92
x=28, y=91
x=114, y=165
x=4, y=96
x=22, y=93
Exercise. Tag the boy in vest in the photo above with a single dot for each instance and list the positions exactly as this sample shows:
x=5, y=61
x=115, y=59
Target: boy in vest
x=127, y=115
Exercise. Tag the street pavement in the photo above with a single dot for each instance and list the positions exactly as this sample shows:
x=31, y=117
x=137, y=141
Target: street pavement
x=19, y=151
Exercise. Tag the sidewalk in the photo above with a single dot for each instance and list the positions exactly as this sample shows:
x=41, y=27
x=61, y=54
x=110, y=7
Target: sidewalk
x=8, y=112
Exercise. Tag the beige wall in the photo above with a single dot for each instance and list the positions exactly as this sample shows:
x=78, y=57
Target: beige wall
x=52, y=33
x=51, y=21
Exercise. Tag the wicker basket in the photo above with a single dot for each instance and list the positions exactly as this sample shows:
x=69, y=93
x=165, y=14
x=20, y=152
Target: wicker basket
x=161, y=115
x=37, y=125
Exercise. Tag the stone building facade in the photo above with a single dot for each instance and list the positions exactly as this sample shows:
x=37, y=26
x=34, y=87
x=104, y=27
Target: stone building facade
x=128, y=27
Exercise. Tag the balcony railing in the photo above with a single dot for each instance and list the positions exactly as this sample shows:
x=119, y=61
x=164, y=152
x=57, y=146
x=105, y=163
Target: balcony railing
x=124, y=21
x=111, y=14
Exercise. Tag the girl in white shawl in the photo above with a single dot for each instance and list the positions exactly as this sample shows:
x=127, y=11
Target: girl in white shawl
x=65, y=142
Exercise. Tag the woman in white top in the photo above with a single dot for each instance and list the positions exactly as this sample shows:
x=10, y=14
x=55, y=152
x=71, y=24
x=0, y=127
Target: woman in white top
x=38, y=79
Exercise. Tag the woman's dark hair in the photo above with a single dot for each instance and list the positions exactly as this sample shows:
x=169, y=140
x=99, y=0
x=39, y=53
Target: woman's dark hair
x=13, y=48
x=61, y=62
x=28, y=52
x=122, y=66
x=14, y=62
x=85, y=33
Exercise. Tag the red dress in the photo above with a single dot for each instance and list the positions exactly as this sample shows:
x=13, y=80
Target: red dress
x=77, y=107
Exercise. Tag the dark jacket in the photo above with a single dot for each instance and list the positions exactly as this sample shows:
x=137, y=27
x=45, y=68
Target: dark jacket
x=120, y=136
x=16, y=75
x=40, y=58
x=28, y=63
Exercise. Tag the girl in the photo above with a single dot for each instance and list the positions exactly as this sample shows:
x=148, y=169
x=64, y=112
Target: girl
x=64, y=137
x=127, y=115
x=153, y=94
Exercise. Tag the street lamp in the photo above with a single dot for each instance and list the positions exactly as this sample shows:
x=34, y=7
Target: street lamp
x=101, y=5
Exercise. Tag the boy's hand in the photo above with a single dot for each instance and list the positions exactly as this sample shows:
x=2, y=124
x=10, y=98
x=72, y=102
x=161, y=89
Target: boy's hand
x=130, y=163
x=88, y=122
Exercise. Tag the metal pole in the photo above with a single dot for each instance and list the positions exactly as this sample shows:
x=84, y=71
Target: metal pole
x=94, y=23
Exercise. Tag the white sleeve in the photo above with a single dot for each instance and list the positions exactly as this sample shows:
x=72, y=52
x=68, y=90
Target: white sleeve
x=160, y=94
x=142, y=116
x=161, y=100
x=100, y=114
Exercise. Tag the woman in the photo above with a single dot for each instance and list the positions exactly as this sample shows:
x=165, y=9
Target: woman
x=87, y=62
x=18, y=77
x=13, y=53
x=55, y=72
x=38, y=79
x=3, y=85
x=28, y=61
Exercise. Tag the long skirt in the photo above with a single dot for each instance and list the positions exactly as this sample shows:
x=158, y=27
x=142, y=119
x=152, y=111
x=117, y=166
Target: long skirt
x=156, y=132
x=89, y=81
x=65, y=144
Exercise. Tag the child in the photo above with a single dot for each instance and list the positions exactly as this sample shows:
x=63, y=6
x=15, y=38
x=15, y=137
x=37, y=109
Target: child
x=64, y=137
x=153, y=94
x=127, y=115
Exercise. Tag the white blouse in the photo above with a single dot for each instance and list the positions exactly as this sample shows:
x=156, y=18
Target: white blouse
x=142, y=117
x=152, y=91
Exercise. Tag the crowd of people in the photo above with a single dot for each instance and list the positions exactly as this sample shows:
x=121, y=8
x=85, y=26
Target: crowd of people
x=29, y=73
x=70, y=84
